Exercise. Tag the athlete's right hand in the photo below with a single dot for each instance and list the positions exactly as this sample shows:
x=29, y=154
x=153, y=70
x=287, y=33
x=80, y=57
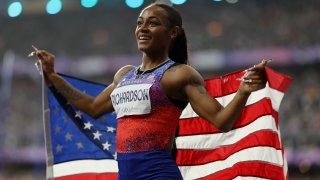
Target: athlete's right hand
x=47, y=61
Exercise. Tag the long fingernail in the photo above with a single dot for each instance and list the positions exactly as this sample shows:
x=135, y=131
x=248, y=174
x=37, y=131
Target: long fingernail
x=251, y=68
x=244, y=80
x=31, y=54
x=239, y=79
x=36, y=49
x=266, y=60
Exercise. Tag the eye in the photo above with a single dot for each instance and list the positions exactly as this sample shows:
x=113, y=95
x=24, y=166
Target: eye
x=139, y=23
x=153, y=23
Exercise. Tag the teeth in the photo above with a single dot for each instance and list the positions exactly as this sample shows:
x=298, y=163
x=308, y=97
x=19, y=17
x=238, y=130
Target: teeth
x=144, y=38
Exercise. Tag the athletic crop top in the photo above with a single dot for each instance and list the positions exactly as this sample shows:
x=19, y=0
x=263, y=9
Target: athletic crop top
x=147, y=119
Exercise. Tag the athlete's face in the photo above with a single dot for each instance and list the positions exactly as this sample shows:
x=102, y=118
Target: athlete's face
x=152, y=32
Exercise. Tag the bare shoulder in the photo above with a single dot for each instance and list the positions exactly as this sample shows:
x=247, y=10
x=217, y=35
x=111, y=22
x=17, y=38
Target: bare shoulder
x=177, y=78
x=182, y=73
x=121, y=72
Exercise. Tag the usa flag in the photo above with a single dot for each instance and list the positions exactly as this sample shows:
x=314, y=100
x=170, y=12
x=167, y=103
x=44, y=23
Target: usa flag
x=79, y=147
x=251, y=150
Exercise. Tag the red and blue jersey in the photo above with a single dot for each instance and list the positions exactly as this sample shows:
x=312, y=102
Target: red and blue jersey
x=147, y=119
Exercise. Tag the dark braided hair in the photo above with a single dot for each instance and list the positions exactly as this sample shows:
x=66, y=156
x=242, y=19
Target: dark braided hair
x=178, y=51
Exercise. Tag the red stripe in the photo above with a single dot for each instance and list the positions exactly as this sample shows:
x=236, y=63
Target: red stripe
x=193, y=126
x=90, y=176
x=223, y=85
x=228, y=84
x=278, y=81
x=251, y=168
x=187, y=157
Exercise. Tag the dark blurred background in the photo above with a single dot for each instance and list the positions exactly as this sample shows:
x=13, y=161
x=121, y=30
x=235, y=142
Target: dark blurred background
x=93, y=42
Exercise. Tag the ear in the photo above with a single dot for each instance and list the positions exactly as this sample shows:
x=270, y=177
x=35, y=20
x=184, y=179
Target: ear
x=174, y=32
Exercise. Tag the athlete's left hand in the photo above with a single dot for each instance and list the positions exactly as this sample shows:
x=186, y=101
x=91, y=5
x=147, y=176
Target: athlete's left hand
x=254, y=78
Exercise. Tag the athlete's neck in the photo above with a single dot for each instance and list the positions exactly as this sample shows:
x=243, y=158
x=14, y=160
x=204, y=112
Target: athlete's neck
x=151, y=62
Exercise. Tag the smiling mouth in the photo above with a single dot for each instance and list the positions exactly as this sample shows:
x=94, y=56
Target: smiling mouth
x=144, y=38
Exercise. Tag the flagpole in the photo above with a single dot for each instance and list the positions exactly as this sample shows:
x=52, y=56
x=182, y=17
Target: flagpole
x=46, y=123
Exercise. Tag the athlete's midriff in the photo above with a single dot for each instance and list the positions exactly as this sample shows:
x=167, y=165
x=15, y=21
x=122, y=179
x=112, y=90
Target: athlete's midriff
x=154, y=131
x=147, y=132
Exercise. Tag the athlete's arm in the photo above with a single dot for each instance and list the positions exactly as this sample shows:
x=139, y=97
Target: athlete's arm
x=93, y=106
x=209, y=108
x=192, y=87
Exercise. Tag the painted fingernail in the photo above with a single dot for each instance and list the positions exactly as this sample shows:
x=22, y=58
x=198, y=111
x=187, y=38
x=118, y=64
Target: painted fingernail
x=251, y=68
x=36, y=49
x=32, y=54
x=266, y=60
x=244, y=80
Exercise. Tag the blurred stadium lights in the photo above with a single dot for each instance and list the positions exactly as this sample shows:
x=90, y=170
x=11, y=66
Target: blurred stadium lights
x=54, y=6
x=88, y=3
x=14, y=9
x=232, y=1
x=134, y=3
x=215, y=29
x=178, y=2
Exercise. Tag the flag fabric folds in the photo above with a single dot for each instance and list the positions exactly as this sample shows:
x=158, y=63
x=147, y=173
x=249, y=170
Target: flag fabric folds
x=252, y=149
x=85, y=148
x=82, y=148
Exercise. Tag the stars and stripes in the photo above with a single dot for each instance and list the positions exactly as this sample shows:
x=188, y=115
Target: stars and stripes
x=252, y=149
x=79, y=141
x=85, y=148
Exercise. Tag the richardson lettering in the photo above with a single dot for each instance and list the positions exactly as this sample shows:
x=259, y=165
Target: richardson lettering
x=130, y=96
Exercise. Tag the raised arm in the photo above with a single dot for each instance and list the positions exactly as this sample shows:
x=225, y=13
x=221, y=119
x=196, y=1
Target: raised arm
x=209, y=108
x=93, y=106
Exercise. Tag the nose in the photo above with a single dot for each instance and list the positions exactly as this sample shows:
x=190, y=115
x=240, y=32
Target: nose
x=143, y=27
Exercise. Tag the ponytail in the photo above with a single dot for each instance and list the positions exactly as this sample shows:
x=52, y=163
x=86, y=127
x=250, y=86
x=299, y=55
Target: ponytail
x=178, y=51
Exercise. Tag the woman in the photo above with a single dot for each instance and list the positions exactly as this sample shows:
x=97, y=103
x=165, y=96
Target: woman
x=148, y=99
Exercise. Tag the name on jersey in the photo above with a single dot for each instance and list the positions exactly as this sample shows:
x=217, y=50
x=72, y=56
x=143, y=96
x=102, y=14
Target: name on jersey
x=132, y=97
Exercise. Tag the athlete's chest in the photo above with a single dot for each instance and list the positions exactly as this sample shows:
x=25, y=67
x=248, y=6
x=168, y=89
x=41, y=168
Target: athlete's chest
x=132, y=97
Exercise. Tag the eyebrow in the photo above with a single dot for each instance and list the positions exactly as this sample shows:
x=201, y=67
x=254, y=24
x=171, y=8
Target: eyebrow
x=150, y=17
